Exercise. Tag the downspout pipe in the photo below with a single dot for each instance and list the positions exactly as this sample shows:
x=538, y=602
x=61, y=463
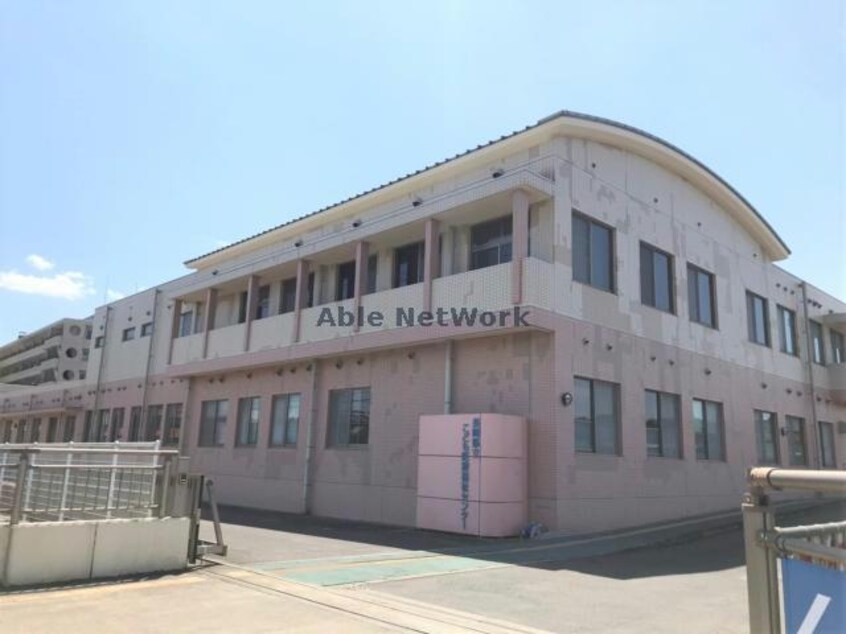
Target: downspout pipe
x=309, y=448
x=810, y=363
x=100, y=367
x=150, y=349
x=448, y=378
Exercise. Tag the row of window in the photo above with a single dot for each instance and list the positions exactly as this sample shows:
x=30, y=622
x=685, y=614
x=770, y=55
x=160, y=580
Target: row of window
x=107, y=425
x=57, y=430
x=349, y=420
x=597, y=427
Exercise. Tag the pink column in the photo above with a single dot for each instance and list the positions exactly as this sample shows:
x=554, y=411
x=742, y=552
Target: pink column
x=208, y=320
x=361, y=252
x=520, y=242
x=431, y=260
x=252, y=302
x=301, y=299
x=174, y=327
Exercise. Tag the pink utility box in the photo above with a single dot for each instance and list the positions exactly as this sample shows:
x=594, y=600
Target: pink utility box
x=472, y=474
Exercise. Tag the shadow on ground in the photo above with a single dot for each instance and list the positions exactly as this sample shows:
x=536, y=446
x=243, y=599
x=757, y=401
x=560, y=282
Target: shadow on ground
x=709, y=544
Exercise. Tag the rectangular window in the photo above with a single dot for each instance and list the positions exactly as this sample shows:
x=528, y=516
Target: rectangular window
x=817, y=342
x=797, y=455
x=372, y=270
x=787, y=331
x=35, y=430
x=263, y=302
x=288, y=298
x=766, y=434
x=186, y=322
x=98, y=342
x=173, y=424
x=249, y=411
x=101, y=433
x=285, y=420
x=656, y=278
x=153, y=428
x=147, y=329
x=827, y=452
x=663, y=437
x=701, y=296
x=597, y=416
x=134, y=424
x=52, y=429
x=490, y=243
x=593, y=253
x=345, y=287
x=213, y=417
x=838, y=351
x=242, y=307
x=70, y=429
x=757, y=319
x=117, y=424
x=708, y=429
x=408, y=265
x=20, y=433
x=310, y=298
x=129, y=334
x=349, y=417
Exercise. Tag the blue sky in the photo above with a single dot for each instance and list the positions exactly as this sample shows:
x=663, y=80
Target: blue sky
x=136, y=135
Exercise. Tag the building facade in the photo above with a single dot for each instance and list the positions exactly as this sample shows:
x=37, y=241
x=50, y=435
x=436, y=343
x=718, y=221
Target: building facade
x=583, y=275
x=54, y=354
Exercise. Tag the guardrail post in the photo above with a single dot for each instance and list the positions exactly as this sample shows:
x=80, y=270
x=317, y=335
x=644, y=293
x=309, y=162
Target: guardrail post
x=165, y=484
x=65, y=484
x=761, y=565
x=20, y=485
x=110, y=500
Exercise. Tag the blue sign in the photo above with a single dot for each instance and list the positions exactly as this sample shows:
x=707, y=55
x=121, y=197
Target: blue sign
x=814, y=598
x=465, y=474
x=477, y=437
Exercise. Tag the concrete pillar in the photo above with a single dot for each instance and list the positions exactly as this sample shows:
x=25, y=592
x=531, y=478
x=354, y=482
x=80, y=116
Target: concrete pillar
x=362, y=250
x=174, y=328
x=252, y=302
x=301, y=299
x=431, y=260
x=520, y=242
x=209, y=317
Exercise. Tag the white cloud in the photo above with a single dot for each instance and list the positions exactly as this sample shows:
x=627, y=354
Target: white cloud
x=39, y=262
x=68, y=285
x=113, y=295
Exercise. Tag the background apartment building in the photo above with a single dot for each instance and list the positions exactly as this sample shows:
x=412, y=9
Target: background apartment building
x=665, y=351
x=53, y=354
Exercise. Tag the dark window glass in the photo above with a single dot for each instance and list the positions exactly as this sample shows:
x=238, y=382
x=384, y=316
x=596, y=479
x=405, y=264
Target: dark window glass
x=838, y=352
x=116, y=432
x=708, y=429
x=98, y=342
x=310, y=298
x=490, y=244
x=758, y=319
x=663, y=438
x=285, y=420
x=787, y=331
x=35, y=430
x=345, y=287
x=153, y=426
x=186, y=321
x=288, y=299
x=70, y=429
x=597, y=416
x=147, y=329
x=701, y=296
x=173, y=424
x=656, y=278
x=797, y=454
x=593, y=253
x=408, y=265
x=263, y=302
x=134, y=424
x=349, y=417
x=213, y=423
x=129, y=334
x=101, y=433
x=242, y=307
x=52, y=429
x=766, y=435
x=372, y=269
x=817, y=343
x=827, y=445
x=249, y=410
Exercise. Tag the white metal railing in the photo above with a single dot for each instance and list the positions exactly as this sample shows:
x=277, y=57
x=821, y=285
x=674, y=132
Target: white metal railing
x=90, y=481
x=822, y=545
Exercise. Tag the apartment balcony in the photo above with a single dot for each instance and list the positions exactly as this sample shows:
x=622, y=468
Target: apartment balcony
x=485, y=289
